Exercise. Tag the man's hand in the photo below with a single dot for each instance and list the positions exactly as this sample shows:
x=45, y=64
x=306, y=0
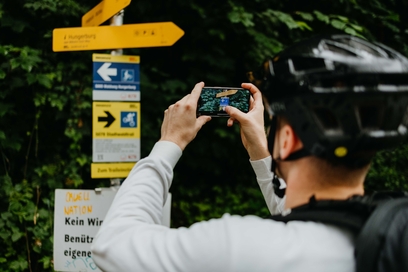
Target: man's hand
x=180, y=124
x=252, y=125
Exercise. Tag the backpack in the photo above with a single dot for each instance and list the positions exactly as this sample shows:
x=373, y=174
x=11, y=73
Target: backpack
x=379, y=221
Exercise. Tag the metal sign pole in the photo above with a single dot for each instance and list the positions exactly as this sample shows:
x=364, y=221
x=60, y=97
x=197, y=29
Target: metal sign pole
x=117, y=20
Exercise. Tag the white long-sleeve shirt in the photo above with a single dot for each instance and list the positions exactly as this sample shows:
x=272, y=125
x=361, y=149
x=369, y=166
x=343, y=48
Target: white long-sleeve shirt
x=132, y=239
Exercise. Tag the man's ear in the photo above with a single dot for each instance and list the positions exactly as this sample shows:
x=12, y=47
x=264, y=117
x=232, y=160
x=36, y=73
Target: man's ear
x=289, y=142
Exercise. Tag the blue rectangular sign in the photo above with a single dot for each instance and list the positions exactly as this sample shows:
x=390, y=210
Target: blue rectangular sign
x=116, y=78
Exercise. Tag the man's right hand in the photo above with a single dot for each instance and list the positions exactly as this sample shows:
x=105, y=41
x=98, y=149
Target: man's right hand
x=252, y=125
x=180, y=124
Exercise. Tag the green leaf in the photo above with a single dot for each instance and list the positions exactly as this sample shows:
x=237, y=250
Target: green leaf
x=5, y=235
x=14, y=63
x=82, y=161
x=46, y=261
x=27, y=67
x=393, y=17
x=19, y=265
x=239, y=15
x=39, y=99
x=338, y=24
x=305, y=16
x=44, y=80
x=6, y=215
x=357, y=27
x=45, y=5
x=350, y=31
x=15, y=236
x=303, y=25
x=285, y=18
x=322, y=17
x=217, y=33
x=341, y=18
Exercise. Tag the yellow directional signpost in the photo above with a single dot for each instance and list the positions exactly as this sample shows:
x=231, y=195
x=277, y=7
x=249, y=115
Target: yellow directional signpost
x=113, y=37
x=103, y=11
x=116, y=125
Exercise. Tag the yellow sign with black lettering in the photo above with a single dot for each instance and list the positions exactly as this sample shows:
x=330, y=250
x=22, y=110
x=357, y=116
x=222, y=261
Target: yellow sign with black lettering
x=116, y=120
x=103, y=11
x=111, y=170
x=116, y=132
x=113, y=37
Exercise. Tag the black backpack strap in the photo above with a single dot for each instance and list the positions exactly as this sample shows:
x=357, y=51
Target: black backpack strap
x=379, y=220
x=383, y=241
x=351, y=213
x=404, y=248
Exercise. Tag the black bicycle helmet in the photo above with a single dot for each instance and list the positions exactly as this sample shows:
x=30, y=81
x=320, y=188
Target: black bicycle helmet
x=345, y=97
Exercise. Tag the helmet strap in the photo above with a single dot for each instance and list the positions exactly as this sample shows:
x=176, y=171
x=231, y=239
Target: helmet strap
x=280, y=192
x=298, y=154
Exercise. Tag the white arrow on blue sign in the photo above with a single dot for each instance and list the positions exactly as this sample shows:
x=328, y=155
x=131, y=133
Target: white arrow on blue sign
x=105, y=72
x=116, y=78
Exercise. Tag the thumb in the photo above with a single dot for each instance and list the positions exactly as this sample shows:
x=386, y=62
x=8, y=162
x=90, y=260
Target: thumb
x=202, y=120
x=235, y=113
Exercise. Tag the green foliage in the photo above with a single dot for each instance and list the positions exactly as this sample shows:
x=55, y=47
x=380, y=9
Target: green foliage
x=389, y=171
x=45, y=103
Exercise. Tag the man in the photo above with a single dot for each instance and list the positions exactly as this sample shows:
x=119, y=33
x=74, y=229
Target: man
x=334, y=100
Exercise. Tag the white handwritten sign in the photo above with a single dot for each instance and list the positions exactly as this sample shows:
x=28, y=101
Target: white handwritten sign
x=78, y=214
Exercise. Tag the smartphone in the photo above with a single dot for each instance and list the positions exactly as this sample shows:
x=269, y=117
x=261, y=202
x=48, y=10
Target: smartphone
x=213, y=100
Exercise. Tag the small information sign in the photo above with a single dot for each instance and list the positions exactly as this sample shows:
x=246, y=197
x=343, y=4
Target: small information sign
x=116, y=131
x=116, y=78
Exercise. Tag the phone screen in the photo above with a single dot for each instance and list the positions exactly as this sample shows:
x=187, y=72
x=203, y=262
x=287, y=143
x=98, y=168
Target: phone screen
x=213, y=100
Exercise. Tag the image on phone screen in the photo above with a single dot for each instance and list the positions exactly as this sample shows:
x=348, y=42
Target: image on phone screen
x=213, y=100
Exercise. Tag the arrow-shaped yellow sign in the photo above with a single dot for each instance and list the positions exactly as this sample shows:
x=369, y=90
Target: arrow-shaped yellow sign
x=114, y=37
x=103, y=11
x=226, y=93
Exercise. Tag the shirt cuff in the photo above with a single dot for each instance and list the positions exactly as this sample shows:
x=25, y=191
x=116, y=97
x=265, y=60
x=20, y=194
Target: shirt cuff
x=262, y=168
x=168, y=151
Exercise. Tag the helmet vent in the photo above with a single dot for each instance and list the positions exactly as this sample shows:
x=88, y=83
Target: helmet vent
x=339, y=50
x=327, y=120
x=308, y=64
x=360, y=46
x=370, y=116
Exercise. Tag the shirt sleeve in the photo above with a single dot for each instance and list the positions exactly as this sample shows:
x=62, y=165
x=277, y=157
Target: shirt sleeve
x=132, y=238
x=264, y=177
